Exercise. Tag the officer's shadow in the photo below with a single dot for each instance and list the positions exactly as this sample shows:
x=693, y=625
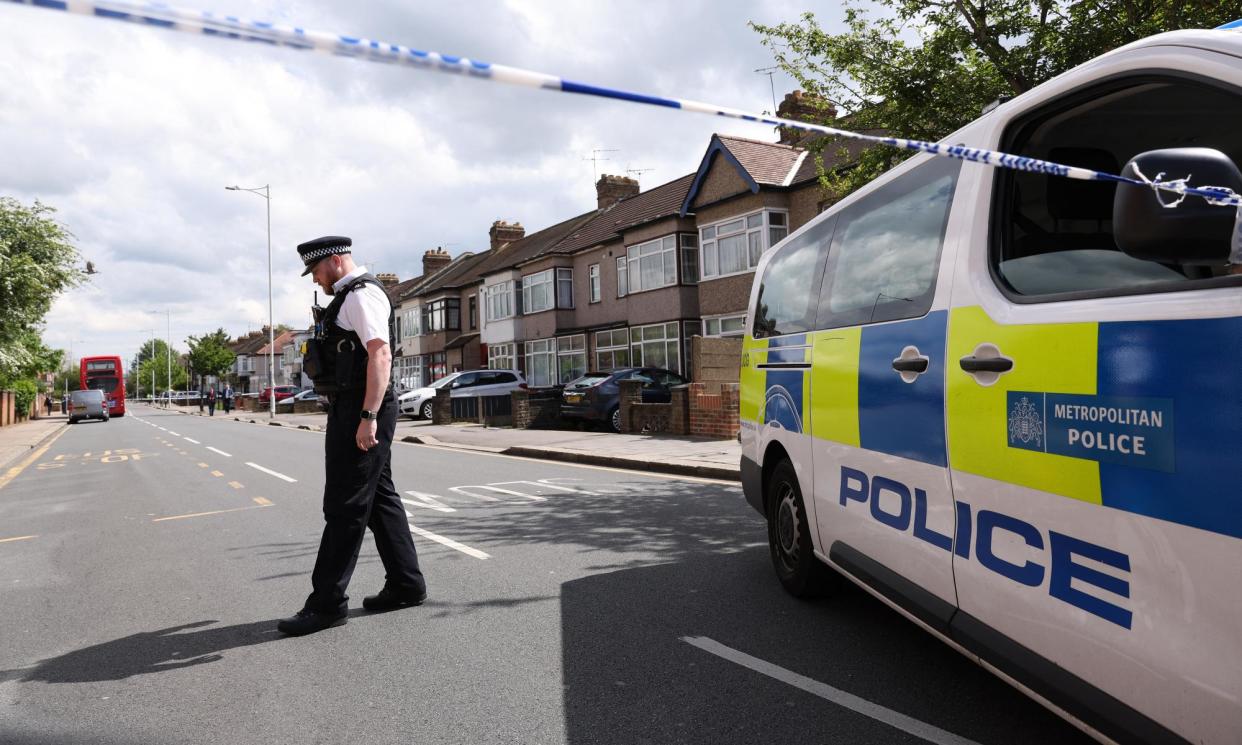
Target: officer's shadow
x=146, y=652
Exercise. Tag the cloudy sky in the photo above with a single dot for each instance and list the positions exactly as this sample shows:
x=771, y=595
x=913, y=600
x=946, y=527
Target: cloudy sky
x=132, y=134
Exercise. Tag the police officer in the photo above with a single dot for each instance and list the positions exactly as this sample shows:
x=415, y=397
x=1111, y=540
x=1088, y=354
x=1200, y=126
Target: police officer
x=354, y=360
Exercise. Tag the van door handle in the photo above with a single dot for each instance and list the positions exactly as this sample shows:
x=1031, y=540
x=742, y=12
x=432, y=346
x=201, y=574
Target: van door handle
x=973, y=364
x=917, y=365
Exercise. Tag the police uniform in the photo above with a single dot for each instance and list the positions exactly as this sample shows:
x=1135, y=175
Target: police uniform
x=358, y=491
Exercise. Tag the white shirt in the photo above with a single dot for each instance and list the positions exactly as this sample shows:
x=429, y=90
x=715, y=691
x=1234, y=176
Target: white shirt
x=365, y=310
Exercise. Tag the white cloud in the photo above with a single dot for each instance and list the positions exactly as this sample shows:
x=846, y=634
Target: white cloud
x=132, y=133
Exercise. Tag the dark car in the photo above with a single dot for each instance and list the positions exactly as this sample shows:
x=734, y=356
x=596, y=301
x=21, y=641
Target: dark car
x=596, y=396
x=282, y=392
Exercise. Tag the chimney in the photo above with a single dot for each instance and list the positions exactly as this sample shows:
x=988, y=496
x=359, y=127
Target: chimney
x=387, y=280
x=504, y=233
x=435, y=260
x=803, y=107
x=612, y=189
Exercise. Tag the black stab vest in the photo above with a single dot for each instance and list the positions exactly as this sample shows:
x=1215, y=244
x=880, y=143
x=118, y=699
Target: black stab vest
x=336, y=359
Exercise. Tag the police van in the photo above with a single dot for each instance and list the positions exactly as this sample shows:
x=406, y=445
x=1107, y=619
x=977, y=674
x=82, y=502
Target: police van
x=1009, y=405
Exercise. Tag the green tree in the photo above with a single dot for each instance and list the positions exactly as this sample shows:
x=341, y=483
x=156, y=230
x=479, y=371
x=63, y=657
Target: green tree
x=210, y=353
x=37, y=262
x=923, y=68
x=161, y=365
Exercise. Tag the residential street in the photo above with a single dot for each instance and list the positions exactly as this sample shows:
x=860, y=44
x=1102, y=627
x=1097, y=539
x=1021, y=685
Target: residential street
x=145, y=561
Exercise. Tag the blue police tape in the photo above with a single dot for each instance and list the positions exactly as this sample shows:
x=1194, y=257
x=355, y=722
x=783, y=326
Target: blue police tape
x=231, y=27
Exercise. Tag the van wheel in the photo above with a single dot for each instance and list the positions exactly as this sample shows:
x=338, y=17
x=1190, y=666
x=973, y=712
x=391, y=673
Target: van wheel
x=426, y=411
x=789, y=537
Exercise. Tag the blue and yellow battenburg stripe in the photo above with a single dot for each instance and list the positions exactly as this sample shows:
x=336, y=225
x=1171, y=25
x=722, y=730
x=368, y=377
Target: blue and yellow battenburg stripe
x=158, y=15
x=1174, y=380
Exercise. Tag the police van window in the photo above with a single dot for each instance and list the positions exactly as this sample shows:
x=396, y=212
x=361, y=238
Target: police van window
x=886, y=251
x=787, y=295
x=1052, y=237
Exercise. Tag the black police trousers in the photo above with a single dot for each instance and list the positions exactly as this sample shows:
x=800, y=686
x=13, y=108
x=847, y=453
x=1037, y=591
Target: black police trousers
x=359, y=494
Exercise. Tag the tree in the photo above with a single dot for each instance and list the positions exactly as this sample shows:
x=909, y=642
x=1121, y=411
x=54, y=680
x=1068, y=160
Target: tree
x=37, y=262
x=962, y=55
x=160, y=365
x=210, y=354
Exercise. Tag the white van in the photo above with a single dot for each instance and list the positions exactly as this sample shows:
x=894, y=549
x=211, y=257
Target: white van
x=959, y=393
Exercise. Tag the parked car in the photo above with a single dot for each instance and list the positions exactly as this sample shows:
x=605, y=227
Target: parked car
x=87, y=404
x=418, y=402
x=596, y=396
x=306, y=395
x=282, y=392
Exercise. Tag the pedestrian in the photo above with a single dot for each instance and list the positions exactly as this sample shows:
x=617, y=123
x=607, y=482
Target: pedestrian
x=202, y=400
x=228, y=397
x=211, y=401
x=64, y=404
x=356, y=335
x=47, y=402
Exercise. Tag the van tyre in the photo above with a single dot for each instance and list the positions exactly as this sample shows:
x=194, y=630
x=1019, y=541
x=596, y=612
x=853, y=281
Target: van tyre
x=789, y=538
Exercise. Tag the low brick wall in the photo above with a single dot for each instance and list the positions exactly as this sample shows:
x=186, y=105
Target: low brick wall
x=714, y=414
x=644, y=418
x=535, y=410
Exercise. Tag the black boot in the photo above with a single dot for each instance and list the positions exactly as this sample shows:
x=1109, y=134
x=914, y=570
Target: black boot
x=307, y=621
x=389, y=599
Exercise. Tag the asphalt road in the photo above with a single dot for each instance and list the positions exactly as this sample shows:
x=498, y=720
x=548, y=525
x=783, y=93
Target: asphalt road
x=144, y=563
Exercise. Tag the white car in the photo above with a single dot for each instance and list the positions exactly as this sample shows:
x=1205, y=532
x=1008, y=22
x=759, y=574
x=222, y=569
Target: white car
x=306, y=395
x=418, y=402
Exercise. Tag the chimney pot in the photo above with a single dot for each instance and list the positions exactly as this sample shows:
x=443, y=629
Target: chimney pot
x=504, y=233
x=803, y=107
x=434, y=260
x=612, y=189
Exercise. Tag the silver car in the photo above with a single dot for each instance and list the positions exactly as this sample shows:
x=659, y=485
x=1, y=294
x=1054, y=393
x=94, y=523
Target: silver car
x=418, y=402
x=87, y=404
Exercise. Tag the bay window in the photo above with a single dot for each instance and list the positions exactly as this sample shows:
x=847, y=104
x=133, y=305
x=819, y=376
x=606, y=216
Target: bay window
x=735, y=246
x=537, y=292
x=612, y=349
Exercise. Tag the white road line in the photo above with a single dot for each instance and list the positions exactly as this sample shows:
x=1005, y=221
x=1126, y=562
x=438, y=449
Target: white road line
x=430, y=501
x=448, y=542
x=270, y=472
x=161, y=429
x=196, y=442
x=221, y=452
x=497, y=489
x=894, y=719
x=174, y=434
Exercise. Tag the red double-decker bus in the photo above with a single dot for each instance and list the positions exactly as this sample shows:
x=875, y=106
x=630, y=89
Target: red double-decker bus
x=105, y=374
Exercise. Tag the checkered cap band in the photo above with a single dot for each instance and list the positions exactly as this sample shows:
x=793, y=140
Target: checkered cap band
x=311, y=257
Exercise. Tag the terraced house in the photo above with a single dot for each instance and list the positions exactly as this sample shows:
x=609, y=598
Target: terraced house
x=628, y=283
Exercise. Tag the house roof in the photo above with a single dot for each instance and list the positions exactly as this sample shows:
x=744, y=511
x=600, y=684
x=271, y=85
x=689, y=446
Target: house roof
x=769, y=164
x=662, y=201
x=249, y=344
x=283, y=338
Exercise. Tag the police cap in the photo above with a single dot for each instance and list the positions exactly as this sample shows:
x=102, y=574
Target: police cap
x=329, y=245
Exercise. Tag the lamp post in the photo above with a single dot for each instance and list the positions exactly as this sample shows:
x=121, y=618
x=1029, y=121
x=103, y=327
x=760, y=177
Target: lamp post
x=265, y=192
x=71, y=343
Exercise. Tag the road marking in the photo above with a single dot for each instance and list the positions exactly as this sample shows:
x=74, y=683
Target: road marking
x=447, y=542
x=217, y=474
x=18, y=538
x=262, y=502
x=221, y=452
x=236, y=485
x=202, y=465
x=213, y=512
x=499, y=490
x=196, y=442
x=894, y=719
x=161, y=429
x=270, y=472
x=484, y=497
x=430, y=501
x=12, y=473
x=174, y=434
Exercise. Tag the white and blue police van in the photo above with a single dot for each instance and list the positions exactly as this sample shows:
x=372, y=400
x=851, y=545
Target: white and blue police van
x=1009, y=405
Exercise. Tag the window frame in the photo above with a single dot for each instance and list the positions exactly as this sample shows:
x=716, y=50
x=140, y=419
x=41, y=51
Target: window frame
x=537, y=280
x=564, y=277
x=530, y=352
x=623, y=274
x=505, y=351
x=565, y=349
x=495, y=294
x=763, y=230
x=1000, y=212
x=594, y=284
x=675, y=341
x=612, y=348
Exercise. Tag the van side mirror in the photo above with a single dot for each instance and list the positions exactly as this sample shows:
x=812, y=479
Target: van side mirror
x=1194, y=232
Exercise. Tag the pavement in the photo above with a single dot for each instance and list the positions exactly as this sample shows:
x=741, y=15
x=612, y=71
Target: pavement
x=681, y=455
x=17, y=440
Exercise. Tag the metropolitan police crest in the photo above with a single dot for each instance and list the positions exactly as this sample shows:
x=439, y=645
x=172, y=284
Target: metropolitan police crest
x=1025, y=424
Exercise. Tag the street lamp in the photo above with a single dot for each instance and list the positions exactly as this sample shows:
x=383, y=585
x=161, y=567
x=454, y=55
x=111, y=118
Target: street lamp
x=168, y=334
x=265, y=192
x=71, y=343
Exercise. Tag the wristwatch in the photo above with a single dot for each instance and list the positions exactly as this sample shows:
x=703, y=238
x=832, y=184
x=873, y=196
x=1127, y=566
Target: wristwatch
x=369, y=415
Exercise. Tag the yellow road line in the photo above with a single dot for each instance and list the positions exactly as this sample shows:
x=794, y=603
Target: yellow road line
x=18, y=538
x=202, y=465
x=213, y=512
x=217, y=473
x=262, y=502
x=236, y=485
x=15, y=470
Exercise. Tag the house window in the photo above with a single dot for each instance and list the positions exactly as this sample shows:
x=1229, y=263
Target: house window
x=612, y=349
x=474, y=312
x=408, y=373
x=593, y=276
x=734, y=246
x=499, y=301
x=623, y=283
x=541, y=363
x=537, y=292
x=689, y=258
x=436, y=365
x=734, y=325
x=500, y=357
x=653, y=264
x=442, y=315
x=564, y=288
x=655, y=346
x=410, y=323
x=570, y=357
